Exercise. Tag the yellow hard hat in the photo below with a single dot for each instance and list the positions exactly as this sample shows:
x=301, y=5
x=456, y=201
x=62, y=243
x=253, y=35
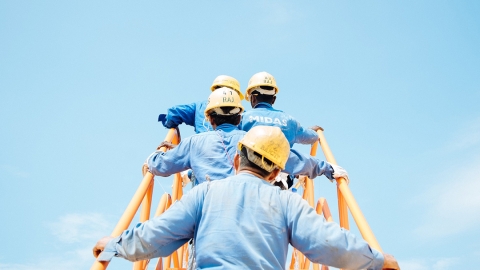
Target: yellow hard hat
x=260, y=79
x=227, y=81
x=224, y=97
x=270, y=143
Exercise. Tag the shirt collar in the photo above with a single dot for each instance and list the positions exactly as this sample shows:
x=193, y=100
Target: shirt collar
x=254, y=178
x=263, y=105
x=227, y=127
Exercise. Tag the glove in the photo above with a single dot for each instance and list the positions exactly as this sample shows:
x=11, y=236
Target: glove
x=281, y=178
x=186, y=177
x=339, y=172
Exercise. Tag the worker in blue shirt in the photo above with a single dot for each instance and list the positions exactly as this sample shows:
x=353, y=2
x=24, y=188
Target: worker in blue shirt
x=193, y=114
x=210, y=154
x=243, y=222
x=261, y=92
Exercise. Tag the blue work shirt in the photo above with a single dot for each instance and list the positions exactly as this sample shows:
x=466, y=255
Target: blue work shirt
x=211, y=153
x=265, y=115
x=243, y=222
x=191, y=114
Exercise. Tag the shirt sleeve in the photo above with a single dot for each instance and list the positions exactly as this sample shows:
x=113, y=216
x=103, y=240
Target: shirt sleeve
x=179, y=114
x=326, y=242
x=299, y=164
x=240, y=125
x=305, y=136
x=160, y=236
x=172, y=161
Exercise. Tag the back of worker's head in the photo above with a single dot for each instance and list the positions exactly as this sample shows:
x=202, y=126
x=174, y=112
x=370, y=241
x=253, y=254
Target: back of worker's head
x=263, y=87
x=227, y=81
x=224, y=106
x=264, y=149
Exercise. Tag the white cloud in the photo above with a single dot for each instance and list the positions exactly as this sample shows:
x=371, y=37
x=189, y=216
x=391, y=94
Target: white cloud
x=71, y=260
x=445, y=263
x=76, y=233
x=451, y=205
x=76, y=228
x=454, y=198
x=429, y=264
x=455, y=195
x=413, y=265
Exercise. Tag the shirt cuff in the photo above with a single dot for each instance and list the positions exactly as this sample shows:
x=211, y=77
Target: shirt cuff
x=329, y=172
x=169, y=124
x=110, y=251
x=378, y=260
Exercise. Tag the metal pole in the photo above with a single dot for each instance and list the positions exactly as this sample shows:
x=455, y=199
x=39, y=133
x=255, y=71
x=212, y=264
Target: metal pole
x=347, y=196
x=360, y=220
x=128, y=215
x=135, y=202
x=163, y=205
x=144, y=216
x=342, y=207
x=313, y=150
x=322, y=208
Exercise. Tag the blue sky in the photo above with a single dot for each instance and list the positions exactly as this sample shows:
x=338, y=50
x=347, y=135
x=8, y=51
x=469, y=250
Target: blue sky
x=395, y=84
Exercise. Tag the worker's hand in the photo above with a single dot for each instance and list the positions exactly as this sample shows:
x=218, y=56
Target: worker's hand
x=339, y=172
x=167, y=145
x=316, y=128
x=144, y=169
x=100, y=246
x=390, y=263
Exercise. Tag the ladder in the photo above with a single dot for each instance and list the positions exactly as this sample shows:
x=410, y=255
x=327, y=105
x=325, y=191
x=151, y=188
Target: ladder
x=179, y=258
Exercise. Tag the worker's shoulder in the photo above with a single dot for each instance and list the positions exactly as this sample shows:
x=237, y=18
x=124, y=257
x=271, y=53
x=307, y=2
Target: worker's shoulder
x=202, y=103
x=293, y=201
x=240, y=178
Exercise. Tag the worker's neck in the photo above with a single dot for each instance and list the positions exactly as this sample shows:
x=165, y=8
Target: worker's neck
x=223, y=126
x=252, y=173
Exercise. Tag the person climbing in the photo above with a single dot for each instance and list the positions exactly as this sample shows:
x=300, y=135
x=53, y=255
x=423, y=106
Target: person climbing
x=210, y=154
x=243, y=222
x=193, y=114
x=261, y=92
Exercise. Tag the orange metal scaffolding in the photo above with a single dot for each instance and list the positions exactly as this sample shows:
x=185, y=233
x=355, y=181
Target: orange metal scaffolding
x=143, y=196
x=179, y=258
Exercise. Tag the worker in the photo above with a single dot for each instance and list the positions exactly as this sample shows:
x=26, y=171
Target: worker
x=243, y=222
x=261, y=92
x=193, y=114
x=210, y=154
